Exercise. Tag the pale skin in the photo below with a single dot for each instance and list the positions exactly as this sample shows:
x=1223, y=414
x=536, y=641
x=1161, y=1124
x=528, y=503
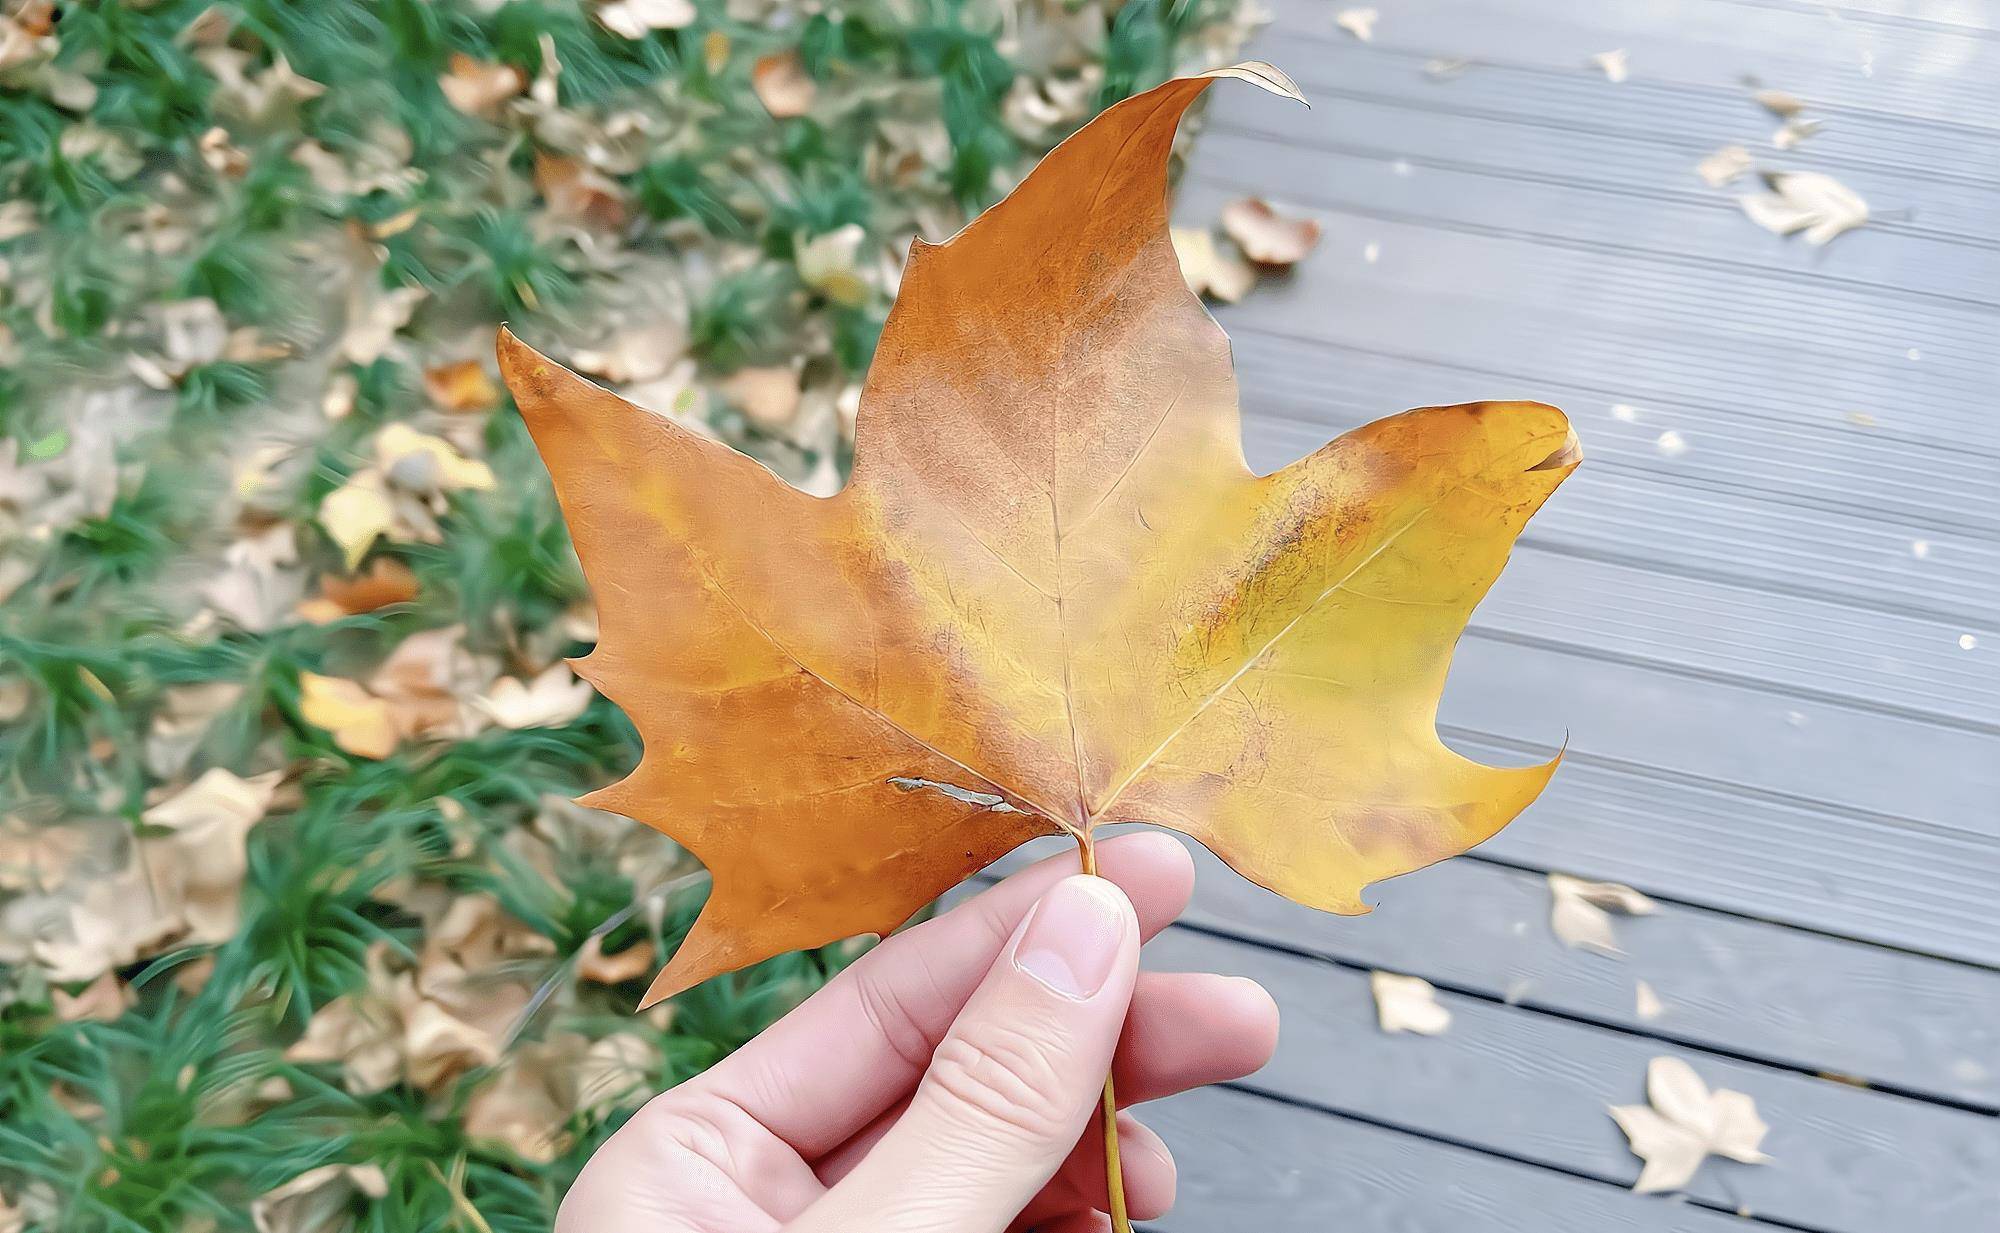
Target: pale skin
x=947, y=1082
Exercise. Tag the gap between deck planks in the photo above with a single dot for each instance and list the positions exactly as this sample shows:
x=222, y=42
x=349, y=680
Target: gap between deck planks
x=1735, y=986
x=1769, y=755
x=1253, y=1163
x=1534, y=1087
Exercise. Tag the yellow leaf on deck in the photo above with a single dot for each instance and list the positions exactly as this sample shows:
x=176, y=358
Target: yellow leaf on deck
x=1052, y=595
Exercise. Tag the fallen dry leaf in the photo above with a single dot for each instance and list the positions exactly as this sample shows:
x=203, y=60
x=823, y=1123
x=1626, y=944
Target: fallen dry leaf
x=1779, y=103
x=767, y=397
x=1358, y=22
x=1580, y=911
x=635, y=19
x=478, y=87
x=1210, y=269
x=1614, y=64
x=629, y=964
x=358, y=721
x=197, y=868
x=1807, y=201
x=356, y=514
x=1684, y=1124
x=1724, y=165
x=643, y=353
x=103, y=999
x=1085, y=609
x=387, y=581
x=781, y=84
x=1646, y=1003
x=1266, y=236
x=317, y=1201
x=578, y=193
x=1792, y=132
x=461, y=386
x=1407, y=1004
x=829, y=264
x=549, y=701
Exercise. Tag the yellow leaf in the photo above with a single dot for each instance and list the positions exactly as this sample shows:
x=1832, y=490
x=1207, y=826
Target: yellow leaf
x=462, y=386
x=356, y=514
x=358, y=720
x=1052, y=595
x=420, y=462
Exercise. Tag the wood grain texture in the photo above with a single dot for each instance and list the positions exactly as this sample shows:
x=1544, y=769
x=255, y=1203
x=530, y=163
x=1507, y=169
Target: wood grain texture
x=1731, y=985
x=1926, y=77
x=1534, y=1087
x=1252, y=1163
x=1754, y=645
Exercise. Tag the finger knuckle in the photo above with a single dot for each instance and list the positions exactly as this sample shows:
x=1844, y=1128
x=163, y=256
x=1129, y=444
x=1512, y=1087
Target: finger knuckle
x=1007, y=1077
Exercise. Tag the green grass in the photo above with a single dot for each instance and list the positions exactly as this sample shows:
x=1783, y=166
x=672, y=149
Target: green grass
x=122, y=496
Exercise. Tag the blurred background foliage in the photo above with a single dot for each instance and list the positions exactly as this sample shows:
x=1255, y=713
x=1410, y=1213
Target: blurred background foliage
x=298, y=928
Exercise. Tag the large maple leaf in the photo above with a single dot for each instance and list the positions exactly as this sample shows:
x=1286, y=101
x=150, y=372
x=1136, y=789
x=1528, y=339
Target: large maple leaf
x=1052, y=595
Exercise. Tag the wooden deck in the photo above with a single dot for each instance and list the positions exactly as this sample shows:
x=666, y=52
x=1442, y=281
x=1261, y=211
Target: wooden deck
x=1756, y=646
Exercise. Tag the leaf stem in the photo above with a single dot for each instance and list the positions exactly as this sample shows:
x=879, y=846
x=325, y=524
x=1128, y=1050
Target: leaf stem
x=1114, y=1173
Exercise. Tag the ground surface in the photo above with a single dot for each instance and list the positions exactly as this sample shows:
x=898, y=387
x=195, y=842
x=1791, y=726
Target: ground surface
x=1770, y=639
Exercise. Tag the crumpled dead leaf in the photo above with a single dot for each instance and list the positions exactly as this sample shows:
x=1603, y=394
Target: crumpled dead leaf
x=358, y=721
x=782, y=85
x=1779, y=103
x=1580, y=911
x=318, y=1200
x=460, y=386
x=1266, y=236
x=640, y=353
x=386, y=581
x=551, y=700
x=1684, y=1124
x=1209, y=268
x=104, y=999
x=635, y=19
x=1646, y=1002
x=1819, y=205
x=1407, y=1004
x=1724, y=165
x=478, y=87
x=768, y=397
x=830, y=264
x=1792, y=132
x=1358, y=22
x=198, y=867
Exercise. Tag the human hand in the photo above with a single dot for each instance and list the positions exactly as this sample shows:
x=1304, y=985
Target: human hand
x=947, y=1081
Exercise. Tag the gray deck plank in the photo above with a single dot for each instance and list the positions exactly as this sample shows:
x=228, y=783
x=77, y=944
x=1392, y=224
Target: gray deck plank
x=1926, y=76
x=1894, y=766
x=1251, y=1163
x=1894, y=264
x=1450, y=126
x=1753, y=645
x=1729, y=984
x=1808, y=863
x=1899, y=469
x=1534, y=1087
x=1733, y=985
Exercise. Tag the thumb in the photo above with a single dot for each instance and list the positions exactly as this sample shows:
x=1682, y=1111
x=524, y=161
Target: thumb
x=1012, y=1085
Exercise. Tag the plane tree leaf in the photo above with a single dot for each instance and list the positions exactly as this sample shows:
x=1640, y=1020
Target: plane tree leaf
x=1051, y=597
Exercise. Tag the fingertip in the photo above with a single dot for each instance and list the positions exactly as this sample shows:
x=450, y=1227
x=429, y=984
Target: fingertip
x=1151, y=1176
x=1256, y=1014
x=1156, y=872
